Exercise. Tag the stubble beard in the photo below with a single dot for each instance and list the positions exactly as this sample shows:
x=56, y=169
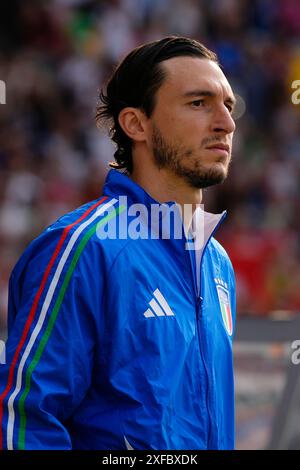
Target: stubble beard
x=173, y=158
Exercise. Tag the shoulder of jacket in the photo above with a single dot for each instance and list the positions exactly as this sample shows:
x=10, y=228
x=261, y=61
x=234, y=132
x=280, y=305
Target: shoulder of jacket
x=76, y=216
x=58, y=235
x=218, y=250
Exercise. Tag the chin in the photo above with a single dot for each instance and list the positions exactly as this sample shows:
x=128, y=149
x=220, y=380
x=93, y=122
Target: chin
x=202, y=183
x=206, y=177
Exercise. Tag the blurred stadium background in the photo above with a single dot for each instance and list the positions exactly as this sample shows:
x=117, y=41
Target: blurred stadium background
x=55, y=56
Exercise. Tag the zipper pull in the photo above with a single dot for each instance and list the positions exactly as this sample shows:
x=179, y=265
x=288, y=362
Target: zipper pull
x=199, y=306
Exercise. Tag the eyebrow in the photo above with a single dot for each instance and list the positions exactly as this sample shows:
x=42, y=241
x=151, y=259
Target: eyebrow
x=194, y=93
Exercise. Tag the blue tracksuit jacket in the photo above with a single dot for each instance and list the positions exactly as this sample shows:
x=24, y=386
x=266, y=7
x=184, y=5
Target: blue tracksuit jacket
x=118, y=343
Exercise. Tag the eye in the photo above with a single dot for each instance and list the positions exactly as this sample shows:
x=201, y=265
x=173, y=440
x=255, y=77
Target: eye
x=197, y=103
x=229, y=107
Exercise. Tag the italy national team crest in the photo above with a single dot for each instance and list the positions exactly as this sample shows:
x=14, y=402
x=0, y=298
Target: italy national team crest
x=224, y=300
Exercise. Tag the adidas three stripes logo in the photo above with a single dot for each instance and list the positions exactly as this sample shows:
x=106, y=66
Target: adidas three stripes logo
x=159, y=307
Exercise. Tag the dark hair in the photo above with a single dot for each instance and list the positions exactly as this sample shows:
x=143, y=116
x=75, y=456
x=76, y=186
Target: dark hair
x=135, y=83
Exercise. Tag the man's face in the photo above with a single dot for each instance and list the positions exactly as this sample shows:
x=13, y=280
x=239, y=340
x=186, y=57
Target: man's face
x=191, y=124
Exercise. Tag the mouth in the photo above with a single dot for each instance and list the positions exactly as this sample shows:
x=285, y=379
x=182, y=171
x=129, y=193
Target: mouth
x=219, y=148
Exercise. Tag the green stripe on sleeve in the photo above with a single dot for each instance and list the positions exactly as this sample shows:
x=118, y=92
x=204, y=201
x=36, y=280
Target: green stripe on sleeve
x=54, y=314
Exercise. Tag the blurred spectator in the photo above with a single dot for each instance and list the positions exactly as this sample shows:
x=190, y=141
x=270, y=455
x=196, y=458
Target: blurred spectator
x=54, y=58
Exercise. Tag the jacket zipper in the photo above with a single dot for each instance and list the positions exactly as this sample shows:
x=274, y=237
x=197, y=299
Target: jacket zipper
x=199, y=302
x=198, y=320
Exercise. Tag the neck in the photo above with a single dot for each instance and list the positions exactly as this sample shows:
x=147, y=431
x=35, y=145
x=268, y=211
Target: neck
x=164, y=186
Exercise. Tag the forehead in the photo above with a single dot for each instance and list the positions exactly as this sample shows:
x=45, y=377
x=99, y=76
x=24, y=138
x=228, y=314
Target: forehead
x=184, y=74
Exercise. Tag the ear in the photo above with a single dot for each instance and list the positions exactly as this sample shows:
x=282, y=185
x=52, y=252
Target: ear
x=133, y=122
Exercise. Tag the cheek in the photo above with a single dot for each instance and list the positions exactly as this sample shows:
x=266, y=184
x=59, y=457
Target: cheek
x=183, y=126
x=193, y=127
x=170, y=119
x=166, y=123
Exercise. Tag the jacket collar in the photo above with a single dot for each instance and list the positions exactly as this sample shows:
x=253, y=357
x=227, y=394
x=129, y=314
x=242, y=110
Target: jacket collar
x=118, y=184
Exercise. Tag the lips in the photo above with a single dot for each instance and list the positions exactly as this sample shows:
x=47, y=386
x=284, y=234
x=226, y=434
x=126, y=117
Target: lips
x=219, y=146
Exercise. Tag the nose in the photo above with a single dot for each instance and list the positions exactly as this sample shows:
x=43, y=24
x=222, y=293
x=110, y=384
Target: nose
x=223, y=121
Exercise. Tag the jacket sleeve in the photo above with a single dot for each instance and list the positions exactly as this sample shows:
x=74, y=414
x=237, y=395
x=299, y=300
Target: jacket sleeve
x=54, y=300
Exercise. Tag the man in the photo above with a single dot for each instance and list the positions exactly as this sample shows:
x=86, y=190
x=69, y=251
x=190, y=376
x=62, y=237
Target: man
x=121, y=342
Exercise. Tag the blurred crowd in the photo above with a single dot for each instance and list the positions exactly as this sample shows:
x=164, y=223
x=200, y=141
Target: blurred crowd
x=54, y=58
